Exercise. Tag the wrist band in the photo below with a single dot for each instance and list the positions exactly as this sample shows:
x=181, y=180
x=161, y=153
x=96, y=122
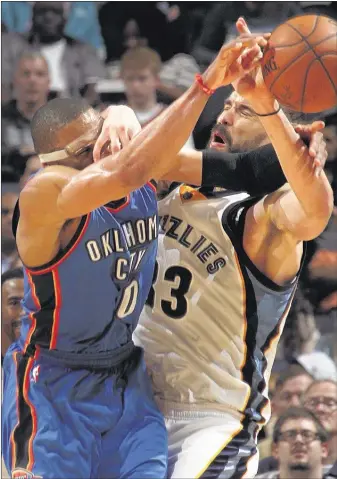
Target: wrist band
x=269, y=114
x=205, y=88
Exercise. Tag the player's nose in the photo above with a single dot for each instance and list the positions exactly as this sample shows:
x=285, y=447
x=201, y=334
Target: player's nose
x=227, y=117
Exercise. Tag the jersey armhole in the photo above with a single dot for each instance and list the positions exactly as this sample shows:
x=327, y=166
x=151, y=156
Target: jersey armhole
x=15, y=218
x=233, y=222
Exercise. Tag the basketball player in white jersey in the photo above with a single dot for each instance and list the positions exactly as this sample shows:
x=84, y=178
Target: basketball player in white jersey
x=227, y=270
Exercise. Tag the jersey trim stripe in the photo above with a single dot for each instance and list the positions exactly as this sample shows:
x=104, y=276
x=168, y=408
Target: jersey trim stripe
x=153, y=185
x=213, y=459
x=45, y=319
x=25, y=431
x=58, y=304
x=32, y=315
x=234, y=229
x=11, y=440
x=64, y=254
x=124, y=204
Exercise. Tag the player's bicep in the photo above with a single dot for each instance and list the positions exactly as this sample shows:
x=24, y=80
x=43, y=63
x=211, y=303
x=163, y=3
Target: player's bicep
x=187, y=167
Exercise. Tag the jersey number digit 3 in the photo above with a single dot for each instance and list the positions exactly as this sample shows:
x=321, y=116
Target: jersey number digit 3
x=176, y=308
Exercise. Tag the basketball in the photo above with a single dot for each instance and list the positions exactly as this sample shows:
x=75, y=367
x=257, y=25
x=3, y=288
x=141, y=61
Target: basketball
x=299, y=64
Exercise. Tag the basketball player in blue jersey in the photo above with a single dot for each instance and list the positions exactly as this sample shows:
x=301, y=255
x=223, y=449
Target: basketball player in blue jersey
x=77, y=401
x=227, y=270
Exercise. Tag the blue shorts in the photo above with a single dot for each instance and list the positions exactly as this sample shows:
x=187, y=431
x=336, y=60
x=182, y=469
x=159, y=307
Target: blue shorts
x=61, y=423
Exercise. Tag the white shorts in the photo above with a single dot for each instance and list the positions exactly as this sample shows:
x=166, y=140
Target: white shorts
x=211, y=446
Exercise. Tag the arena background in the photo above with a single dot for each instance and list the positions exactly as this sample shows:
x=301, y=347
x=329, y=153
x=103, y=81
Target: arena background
x=83, y=44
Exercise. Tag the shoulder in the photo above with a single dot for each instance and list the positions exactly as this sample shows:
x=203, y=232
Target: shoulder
x=41, y=193
x=77, y=45
x=9, y=110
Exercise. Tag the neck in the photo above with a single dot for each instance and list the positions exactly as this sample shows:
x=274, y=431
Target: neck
x=332, y=448
x=47, y=39
x=146, y=106
x=315, y=473
x=29, y=108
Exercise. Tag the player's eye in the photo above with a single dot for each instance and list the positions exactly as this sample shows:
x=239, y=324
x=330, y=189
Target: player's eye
x=246, y=112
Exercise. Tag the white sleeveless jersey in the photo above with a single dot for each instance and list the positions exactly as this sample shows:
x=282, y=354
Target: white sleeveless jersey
x=212, y=321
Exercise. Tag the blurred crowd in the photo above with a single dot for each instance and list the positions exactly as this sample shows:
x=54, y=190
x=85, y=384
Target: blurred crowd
x=146, y=54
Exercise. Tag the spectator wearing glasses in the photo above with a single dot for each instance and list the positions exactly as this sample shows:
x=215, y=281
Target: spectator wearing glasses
x=289, y=387
x=300, y=445
x=321, y=399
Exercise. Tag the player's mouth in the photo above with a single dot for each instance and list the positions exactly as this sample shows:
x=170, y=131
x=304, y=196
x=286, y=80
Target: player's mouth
x=219, y=139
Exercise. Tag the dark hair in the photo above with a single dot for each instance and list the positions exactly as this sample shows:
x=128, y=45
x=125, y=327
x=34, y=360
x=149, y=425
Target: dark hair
x=292, y=371
x=299, y=413
x=331, y=120
x=11, y=274
x=53, y=116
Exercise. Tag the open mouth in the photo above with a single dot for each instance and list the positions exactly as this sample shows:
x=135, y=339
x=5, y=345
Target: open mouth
x=218, y=141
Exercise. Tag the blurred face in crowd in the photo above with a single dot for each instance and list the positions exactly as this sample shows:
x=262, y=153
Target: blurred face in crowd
x=8, y=201
x=290, y=393
x=31, y=80
x=11, y=309
x=140, y=87
x=299, y=449
x=237, y=128
x=330, y=136
x=321, y=399
x=49, y=20
x=33, y=165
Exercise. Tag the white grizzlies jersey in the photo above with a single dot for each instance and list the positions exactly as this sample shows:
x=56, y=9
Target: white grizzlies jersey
x=212, y=321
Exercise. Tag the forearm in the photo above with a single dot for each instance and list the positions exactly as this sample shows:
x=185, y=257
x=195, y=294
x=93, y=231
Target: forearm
x=258, y=172
x=313, y=193
x=150, y=153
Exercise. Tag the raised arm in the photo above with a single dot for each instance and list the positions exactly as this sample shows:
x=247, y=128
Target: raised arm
x=149, y=154
x=305, y=208
x=258, y=172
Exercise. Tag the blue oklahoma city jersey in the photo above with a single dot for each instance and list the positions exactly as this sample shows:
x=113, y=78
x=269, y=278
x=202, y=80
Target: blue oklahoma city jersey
x=89, y=299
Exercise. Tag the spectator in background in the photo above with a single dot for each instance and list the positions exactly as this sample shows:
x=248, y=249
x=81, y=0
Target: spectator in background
x=9, y=252
x=219, y=24
x=12, y=292
x=31, y=88
x=301, y=336
x=33, y=165
x=289, y=387
x=299, y=444
x=74, y=66
x=321, y=399
x=140, y=69
x=82, y=20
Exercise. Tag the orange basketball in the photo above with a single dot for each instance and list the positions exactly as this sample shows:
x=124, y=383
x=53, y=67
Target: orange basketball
x=299, y=64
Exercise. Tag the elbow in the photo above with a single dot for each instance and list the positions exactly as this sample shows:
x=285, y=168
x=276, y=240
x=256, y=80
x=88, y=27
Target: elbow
x=320, y=219
x=133, y=175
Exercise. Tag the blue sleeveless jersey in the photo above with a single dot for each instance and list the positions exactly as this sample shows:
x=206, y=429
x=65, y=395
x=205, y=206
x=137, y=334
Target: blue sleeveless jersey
x=88, y=300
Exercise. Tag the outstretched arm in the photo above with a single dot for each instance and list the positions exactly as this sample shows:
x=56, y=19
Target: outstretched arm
x=258, y=172
x=303, y=210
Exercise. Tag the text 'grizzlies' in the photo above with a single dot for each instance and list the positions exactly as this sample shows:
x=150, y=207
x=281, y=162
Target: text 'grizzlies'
x=186, y=235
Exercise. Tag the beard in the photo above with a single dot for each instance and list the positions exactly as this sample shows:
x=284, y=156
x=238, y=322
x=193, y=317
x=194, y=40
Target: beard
x=299, y=466
x=221, y=135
